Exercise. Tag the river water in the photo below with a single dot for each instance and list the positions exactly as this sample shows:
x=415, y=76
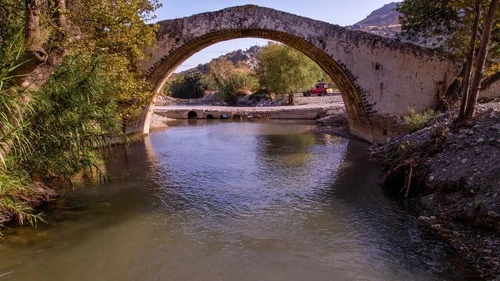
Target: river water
x=215, y=200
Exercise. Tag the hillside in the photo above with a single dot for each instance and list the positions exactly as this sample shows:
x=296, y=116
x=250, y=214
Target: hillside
x=383, y=21
x=248, y=56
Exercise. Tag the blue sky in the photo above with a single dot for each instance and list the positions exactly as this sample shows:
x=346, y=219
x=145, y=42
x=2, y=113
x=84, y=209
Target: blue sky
x=341, y=12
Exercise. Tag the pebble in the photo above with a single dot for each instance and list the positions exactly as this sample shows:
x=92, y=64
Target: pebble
x=431, y=178
x=496, y=127
x=492, y=214
x=480, y=140
x=464, y=161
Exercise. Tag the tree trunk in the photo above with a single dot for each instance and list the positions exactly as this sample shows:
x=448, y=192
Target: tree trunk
x=481, y=59
x=39, y=64
x=34, y=39
x=470, y=62
x=60, y=18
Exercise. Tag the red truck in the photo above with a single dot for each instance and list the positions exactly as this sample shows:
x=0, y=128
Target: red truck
x=320, y=90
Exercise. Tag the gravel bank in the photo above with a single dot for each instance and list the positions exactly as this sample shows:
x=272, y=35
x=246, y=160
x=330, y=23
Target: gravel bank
x=456, y=172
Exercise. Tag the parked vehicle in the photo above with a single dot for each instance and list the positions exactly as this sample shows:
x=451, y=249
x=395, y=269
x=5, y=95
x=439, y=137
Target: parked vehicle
x=321, y=89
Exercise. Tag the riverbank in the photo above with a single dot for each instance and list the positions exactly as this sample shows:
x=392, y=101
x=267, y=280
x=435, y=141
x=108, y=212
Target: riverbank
x=456, y=173
x=324, y=108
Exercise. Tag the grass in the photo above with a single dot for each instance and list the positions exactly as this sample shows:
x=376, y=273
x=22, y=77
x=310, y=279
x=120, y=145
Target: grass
x=17, y=197
x=416, y=120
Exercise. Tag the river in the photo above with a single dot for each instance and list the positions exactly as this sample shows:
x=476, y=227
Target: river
x=216, y=200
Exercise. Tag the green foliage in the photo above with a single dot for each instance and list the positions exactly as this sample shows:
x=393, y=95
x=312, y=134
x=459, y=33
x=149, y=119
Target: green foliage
x=188, y=87
x=232, y=80
x=11, y=25
x=15, y=186
x=236, y=85
x=261, y=94
x=116, y=31
x=416, y=120
x=284, y=70
x=431, y=20
x=133, y=91
x=15, y=194
x=12, y=125
x=74, y=114
x=446, y=24
x=64, y=127
x=115, y=27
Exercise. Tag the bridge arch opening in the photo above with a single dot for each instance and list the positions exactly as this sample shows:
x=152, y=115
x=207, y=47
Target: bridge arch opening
x=379, y=78
x=339, y=74
x=192, y=115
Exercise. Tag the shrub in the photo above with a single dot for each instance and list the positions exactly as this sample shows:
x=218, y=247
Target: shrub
x=416, y=120
x=261, y=94
x=188, y=87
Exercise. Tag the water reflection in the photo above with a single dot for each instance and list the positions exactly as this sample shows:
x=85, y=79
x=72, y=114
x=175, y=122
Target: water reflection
x=230, y=201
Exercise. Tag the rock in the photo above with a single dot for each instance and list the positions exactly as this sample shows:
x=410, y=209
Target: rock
x=462, y=136
x=492, y=214
x=480, y=140
x=424, y=219
x=464, y=161
x=431, y=178
x=495, y=127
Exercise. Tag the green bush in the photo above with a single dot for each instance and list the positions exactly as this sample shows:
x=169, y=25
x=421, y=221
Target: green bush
x=236, y=85
x=74, y=114
x=416, y=120
x=261, y=94
x=188, y=87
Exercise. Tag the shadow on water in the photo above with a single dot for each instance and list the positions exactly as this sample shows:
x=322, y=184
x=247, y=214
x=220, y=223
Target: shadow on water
x=395, y=224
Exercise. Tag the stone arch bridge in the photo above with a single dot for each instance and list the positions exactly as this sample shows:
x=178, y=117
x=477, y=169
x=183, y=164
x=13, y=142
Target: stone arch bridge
x=379, y=78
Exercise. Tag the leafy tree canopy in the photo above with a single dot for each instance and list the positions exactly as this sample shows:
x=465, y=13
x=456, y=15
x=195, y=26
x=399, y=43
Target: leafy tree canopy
x=446, y=24
x=284, y=70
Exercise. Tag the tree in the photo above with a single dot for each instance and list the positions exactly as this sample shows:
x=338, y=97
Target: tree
x=188, y=87
x=284, y=70
x=469, y=29
x=232, y=80
x=113, y=31
x=67, y=80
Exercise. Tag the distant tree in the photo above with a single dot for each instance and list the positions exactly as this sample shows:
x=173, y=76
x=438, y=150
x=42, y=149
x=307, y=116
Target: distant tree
x=470, y=29
x=188, y=87
x=284, y=70
x=232, y=80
